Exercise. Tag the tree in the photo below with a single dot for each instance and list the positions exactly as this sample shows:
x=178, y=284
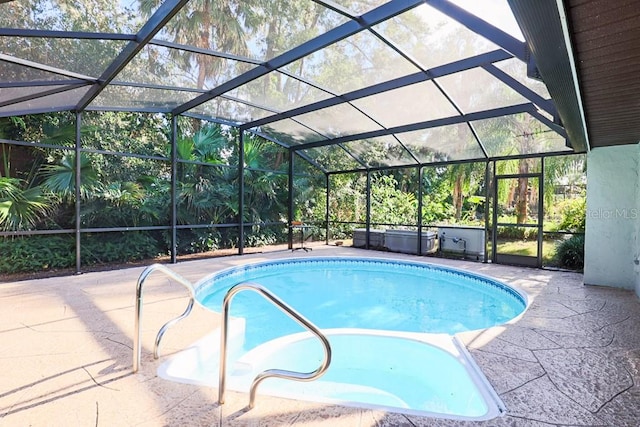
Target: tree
x=266, y=196
x=563, y=172
x=465, y=179
x=436, y=193
x=389, y=204
x=21, y=208
x=206, y=189
x=206, y=24
x=60, y=178
x=26, y=201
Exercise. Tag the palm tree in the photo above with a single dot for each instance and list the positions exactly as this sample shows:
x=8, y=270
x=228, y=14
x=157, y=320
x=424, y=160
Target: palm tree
x=206, y=145
x=564, y=171
x=207, y=24
x=465, y=179
x=264, y=188
x=21, y=208
x=206, y=193
x=25, y=202
x=60, y=178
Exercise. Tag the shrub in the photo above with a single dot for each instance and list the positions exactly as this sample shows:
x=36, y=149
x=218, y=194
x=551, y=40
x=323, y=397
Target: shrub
x=342, y=231
x=570, y=253
x=522, y=233
x=118, y=247
x=260, y=236
x=194, y=241
x=43, y=253
x=36, y=253
x=574, y=215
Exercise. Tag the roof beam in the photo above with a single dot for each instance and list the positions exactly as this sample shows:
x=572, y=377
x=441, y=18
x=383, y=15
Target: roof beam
x=156, y=86
x=275, y=141
x=57, y=34
x=39, y=110
x=129, y=109
x=550, y=124
x=369, y=19
x=231, y=57
x=451, y=68
x=312, y=162
x=41, y=94
x=546, y=105
x=42, y=67
x=202, y=51
x=483, y=28
x=546, y=29
x=481, y=115
x=41, y=83
x=213, y=120
x=156, y=22
x=335, y=7
x=457, y=162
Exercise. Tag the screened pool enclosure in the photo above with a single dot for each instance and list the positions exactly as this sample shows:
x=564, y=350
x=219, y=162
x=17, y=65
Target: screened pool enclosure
x=186, y=126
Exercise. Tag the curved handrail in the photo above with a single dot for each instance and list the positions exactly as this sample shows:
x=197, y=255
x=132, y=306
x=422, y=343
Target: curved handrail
x=137, y=346
x=276, y=373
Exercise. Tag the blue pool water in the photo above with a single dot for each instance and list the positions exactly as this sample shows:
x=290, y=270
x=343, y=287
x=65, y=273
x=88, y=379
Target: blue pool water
x=368, y=363
x=362, y=293
x=391, y=325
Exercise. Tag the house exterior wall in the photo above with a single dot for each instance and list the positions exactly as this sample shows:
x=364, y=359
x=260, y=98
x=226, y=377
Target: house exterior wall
x=612, y=244
x=636, y=260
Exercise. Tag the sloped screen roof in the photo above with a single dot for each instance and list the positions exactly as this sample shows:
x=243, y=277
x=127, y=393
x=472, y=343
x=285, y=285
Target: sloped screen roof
x=347, y=84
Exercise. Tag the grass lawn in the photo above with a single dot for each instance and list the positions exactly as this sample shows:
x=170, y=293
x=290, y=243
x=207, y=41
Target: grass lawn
x=528, y=248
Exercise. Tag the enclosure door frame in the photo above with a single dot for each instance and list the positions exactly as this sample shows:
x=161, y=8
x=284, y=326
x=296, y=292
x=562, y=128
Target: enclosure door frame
x=513, y=259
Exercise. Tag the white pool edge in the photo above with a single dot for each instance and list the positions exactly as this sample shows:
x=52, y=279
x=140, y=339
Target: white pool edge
x=480, y=379
x=175, y=369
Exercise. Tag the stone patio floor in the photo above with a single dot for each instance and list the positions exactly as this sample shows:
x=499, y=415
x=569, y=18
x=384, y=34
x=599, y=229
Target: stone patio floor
x=573, y=359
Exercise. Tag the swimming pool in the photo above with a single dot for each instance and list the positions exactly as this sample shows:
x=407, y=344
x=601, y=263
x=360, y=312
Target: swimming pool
x=400, y=320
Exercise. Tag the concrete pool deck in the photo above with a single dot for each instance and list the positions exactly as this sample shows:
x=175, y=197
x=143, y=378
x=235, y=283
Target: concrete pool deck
x=66, y=354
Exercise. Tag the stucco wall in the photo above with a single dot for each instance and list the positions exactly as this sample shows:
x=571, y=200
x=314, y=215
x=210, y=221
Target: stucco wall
x=637, y=232
x=613, y=216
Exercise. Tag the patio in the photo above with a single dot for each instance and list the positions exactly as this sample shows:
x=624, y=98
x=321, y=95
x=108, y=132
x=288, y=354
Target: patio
x=572, y=359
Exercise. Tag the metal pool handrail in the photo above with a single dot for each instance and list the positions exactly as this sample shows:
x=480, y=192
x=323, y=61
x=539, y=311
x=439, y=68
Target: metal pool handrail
x=275, y=373
x=137, y=346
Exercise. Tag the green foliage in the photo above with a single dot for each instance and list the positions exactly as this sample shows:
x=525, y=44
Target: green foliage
x=123, y=204
x=106, y=248
x=574, y=215
x=309, y=199
x=564, y=177
x=42, y=253
x=520, y=233
x=434, y=211
x=465, y=182
x=348, y=197
x=21, y=208
x=36, y=253
x=436, y=207
x=391, y=205
x=60, y=178
x=208, y=145
x=262, y=236
x=192, y=241
x=130, y=190
x=570, y=253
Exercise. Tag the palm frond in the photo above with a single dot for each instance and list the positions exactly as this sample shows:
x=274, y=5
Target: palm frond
x=21, y=209
x=60, y=178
